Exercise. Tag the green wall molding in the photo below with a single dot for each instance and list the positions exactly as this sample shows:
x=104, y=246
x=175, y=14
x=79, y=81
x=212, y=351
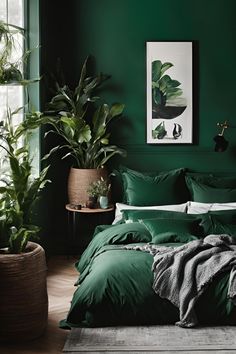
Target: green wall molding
x=135, y=150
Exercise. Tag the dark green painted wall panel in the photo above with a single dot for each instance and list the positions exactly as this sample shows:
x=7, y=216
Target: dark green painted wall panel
x=115, y=33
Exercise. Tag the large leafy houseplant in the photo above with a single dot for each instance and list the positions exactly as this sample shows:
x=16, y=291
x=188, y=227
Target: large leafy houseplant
x=85, y=137
x=19, y=189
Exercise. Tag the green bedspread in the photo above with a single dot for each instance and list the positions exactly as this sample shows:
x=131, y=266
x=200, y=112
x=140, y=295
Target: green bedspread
x=115, y=285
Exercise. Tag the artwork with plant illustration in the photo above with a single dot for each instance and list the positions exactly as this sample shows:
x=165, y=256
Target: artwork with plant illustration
x=169, y=92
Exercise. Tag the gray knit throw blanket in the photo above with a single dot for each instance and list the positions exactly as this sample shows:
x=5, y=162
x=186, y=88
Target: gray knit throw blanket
x=181, y=274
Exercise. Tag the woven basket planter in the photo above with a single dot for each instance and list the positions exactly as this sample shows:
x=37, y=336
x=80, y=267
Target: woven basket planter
x=23, y=295
x=79, y=181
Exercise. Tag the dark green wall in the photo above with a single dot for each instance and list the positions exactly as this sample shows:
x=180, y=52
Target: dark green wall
x=115, y=33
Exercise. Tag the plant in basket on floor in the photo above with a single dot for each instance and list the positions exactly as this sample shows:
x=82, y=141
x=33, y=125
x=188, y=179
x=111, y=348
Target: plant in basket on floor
x=19, y=258
x=86, y=135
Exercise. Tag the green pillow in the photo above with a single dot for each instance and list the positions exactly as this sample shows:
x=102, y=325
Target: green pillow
x=205, y=194
x=133, y=215
x=223, y=216
x=117, y=183
x=212, y=225
x=173, y=230
x=209, y=180
x=162, y=188
x=171, y=237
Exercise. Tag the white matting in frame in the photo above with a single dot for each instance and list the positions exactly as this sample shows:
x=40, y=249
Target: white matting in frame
x=169, y=92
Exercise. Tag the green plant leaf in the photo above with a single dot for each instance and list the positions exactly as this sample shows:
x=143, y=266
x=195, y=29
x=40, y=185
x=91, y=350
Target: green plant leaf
x=157, y=96
x=22, y=150
x=156, y=70
x=164, y=82
x=84, y=134
x=110, y=151
x=105, y=141
x=155, y=85
x=79, y=87
x=165, y=67
x=19, y=239
x=173, y=93
x=175, y=83
x=49, y=132
x=169, y=83
x=159, y=132
x=116, y=110
x=99, y=118
x=54, y=149
x=67, y=155
x=58, y=98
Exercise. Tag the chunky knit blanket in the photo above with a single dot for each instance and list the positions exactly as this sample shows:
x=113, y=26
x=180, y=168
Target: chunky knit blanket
x=181, y=274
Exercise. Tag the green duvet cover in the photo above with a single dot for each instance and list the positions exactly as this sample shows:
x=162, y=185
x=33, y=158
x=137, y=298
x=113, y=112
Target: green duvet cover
x=115, y=285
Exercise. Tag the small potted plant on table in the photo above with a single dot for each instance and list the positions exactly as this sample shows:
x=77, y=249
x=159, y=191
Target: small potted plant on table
x=98, y=191
x=103, y=189
x=92, y=195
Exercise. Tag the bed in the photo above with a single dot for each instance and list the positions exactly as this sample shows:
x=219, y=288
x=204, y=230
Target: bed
x=116, y=277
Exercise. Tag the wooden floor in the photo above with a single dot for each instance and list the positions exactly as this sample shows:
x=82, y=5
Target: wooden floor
x=61, y=277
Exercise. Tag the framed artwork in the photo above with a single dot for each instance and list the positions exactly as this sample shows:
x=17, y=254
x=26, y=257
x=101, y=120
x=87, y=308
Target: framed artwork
x=169, y=92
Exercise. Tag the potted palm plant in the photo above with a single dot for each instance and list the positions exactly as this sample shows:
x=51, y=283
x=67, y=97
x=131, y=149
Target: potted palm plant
x=85, y=135
x=23, y=295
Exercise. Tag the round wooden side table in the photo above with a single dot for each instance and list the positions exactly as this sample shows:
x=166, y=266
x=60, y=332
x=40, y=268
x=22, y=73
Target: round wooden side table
x=71, y=217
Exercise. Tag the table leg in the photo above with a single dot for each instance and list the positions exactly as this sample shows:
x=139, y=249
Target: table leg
x=69, y=234
x=73, y=228
x=71, y=225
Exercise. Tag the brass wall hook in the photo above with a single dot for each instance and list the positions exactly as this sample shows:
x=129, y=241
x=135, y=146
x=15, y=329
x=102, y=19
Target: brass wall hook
x=223, y=126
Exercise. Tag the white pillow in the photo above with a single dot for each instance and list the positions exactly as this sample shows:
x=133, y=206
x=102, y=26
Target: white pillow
x=120, y=206
x=202, y=208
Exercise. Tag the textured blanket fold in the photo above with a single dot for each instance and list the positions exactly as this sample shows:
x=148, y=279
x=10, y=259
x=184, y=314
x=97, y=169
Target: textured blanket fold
x=181, y=274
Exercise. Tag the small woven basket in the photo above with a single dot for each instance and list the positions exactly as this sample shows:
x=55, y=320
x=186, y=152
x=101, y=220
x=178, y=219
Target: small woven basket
x=79, y=181
x=23, y=294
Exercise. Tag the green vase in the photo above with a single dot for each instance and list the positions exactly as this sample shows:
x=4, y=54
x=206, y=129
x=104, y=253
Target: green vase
x=103, y=201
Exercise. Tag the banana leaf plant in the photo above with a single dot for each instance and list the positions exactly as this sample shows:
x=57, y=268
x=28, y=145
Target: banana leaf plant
x=167, y=102
x=86, y=138
x=19, y=189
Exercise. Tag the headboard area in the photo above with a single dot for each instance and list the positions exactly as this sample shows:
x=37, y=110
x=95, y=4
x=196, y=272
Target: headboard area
x=174, y=186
